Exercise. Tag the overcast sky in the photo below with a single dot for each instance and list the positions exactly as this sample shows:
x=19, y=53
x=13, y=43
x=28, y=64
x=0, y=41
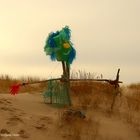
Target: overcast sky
x=105, y=33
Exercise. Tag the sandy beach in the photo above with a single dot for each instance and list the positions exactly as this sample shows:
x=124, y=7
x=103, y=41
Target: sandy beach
x=26, y=116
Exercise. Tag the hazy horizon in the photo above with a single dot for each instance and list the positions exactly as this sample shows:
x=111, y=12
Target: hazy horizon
x=105, y=33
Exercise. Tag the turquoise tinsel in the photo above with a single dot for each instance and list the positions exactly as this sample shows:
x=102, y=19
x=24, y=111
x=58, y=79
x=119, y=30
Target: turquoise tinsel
x=59, y=46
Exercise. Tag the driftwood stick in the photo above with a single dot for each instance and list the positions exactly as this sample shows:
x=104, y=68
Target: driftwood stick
x=112, y=82
x=64, y=68
x=37, y=82
x=97, y=80
x=116, y=84
x=63, y=79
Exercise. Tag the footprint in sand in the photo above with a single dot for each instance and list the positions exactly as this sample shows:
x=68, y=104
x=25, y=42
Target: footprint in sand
x=14, y=120
x=4, y=131
x=5, y=101
x=40, y=126
x=7, y=109
x=46, y=119
x=22, y=133
x=42, y=122
x=5, y=105
x=1, y=102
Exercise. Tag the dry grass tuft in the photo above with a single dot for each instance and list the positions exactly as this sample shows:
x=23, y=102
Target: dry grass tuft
x=76, y=128
x=88, y=96
x=92, y=95
x=6, y=82
x=132, y=113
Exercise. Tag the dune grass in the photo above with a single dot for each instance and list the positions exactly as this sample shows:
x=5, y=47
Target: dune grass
x=90, y=97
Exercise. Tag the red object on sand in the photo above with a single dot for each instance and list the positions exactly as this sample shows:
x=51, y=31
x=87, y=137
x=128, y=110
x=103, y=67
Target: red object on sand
x=15, y=89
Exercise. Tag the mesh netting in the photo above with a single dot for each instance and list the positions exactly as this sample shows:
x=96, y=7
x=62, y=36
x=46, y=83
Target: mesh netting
x=57, y=93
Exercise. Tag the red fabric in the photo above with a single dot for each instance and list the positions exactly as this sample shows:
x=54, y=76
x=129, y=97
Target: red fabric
x=15, y=89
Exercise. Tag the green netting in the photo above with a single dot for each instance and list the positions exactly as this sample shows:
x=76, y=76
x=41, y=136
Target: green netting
x=57, y=93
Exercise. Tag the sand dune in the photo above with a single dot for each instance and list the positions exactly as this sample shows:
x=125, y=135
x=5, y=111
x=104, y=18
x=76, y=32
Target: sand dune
x=26, y=116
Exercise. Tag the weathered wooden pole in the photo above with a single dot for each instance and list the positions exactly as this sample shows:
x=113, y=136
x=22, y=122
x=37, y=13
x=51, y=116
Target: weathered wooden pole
x=64, y=68
x=68, y=83
x=116, y=87
x=66, y=80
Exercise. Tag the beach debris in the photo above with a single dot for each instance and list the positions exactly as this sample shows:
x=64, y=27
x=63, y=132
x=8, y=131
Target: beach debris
x=75, y=113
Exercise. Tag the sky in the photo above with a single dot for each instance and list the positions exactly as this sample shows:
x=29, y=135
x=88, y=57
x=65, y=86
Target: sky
x=105, y=34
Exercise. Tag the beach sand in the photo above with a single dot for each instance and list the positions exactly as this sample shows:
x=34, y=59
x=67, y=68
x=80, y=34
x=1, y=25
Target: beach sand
x=26, y=116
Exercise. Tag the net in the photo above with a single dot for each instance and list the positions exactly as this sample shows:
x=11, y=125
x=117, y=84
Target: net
x=57, y=93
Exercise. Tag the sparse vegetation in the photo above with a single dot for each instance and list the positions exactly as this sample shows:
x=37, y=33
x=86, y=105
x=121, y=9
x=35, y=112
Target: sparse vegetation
x=94, y=99
x=76, y=128
x=6, y=82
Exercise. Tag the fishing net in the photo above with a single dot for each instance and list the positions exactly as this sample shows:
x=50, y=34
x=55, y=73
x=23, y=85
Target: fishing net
x=57, y=93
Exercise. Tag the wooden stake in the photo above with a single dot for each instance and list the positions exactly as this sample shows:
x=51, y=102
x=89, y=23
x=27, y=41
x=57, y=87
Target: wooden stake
x=116, y=86
x=64, y=68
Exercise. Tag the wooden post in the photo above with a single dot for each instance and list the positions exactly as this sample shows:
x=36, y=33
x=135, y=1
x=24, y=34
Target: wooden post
x=65, y=76
x=51, y=88
x=116, y=86
x=68, y=70
x=68, y=82
x=64, y=68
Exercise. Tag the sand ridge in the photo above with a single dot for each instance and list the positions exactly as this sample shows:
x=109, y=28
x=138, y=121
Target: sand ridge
x=26, y=116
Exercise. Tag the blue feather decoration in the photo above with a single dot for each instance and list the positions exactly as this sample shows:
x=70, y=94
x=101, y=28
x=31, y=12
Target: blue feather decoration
x=53, y=56
x=51, y=40
x=72, y=56
x=55, y=45
x=68, y=32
